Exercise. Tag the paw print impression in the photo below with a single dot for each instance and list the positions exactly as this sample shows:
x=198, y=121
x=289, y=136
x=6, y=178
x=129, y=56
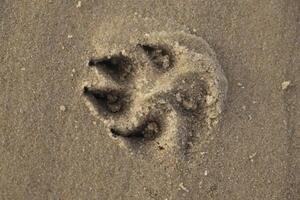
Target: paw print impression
x=162, y=92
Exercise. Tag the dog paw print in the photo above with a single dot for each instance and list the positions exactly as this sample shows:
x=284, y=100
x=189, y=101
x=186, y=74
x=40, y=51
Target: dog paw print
x=164, y=92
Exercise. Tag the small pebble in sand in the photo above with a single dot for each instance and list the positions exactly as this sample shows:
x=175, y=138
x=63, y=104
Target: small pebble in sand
x=78, y=4
x=285, y=85
x=244, y=107
x=250, y=117
x=205, y=173
x=73, y=71
x=62, y=108
x=123, y=52
x=183, y=187
x=251, y=157
x=240, y=85
x=200, y=184
x=23, y=69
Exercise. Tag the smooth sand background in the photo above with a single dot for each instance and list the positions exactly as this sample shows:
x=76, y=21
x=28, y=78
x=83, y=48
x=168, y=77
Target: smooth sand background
x=46, y=153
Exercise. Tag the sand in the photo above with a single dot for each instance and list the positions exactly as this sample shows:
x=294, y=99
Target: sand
x=55, y=144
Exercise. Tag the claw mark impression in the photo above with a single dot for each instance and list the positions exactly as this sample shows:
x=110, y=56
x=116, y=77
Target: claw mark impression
x=165, y=90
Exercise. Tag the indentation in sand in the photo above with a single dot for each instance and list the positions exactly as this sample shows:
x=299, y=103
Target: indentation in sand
x=160, y=91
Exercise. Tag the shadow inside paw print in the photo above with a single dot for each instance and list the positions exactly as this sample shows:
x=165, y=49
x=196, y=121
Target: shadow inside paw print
x=160, y=93
x=161, y=57
x=117, y=66
x=108, y=101
x=148, y=130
